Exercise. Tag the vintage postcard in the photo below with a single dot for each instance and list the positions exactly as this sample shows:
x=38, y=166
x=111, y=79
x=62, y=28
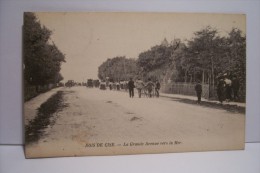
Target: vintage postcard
x=111, y=83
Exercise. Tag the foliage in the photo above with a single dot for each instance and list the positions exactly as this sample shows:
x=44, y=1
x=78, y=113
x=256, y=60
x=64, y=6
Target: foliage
x=205, y=57
x=208, y=55
x=203, y=54
x=117, y=69
x=42, y=60
x=156, y=63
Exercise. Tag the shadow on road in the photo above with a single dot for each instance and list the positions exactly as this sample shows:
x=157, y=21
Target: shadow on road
x=227, y=107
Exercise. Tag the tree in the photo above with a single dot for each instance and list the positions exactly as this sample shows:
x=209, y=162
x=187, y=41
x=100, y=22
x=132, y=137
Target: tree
x=157, y=62
x=205, y=53
x=237, y=57
x=42, y=60
x=117, y=69
x=208, y=55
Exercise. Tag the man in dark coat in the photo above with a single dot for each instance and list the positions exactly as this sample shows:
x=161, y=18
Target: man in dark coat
x=221, y=90
x=198, y=89
x=228, y=88
x=157, y=88
x=131, y=87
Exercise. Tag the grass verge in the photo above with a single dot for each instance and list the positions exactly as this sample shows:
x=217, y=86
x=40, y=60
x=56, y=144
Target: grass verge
x=45, y=117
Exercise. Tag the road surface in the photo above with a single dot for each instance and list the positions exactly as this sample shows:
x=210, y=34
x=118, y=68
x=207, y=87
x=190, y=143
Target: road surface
x=103, y=122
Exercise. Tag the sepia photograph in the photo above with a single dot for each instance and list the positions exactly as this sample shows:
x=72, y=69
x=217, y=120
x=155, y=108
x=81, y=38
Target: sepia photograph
x=117, y=83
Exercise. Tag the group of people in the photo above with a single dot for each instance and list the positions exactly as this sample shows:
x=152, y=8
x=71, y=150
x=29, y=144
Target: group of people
x=122, y=85
x=227, y=89
x=148, y=89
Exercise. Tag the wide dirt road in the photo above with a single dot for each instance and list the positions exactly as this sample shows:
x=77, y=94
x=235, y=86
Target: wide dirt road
x=98, y=122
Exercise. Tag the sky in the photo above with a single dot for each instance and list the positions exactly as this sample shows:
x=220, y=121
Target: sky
x=89, y=39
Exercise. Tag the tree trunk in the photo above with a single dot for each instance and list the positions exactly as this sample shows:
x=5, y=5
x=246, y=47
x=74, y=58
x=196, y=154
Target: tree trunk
x=203, y=77
x=194, y=77
x=212, y=72
x=185, y=78
x=212, y=77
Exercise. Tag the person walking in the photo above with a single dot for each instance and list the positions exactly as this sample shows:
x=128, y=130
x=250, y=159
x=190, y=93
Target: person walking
x=139, y=86
x=149, y=87
x=117, y=86
x=228, y=83
x=110, y=85
x=157, y=88
x=221, y=90
x=131, y=87
x=198, y=89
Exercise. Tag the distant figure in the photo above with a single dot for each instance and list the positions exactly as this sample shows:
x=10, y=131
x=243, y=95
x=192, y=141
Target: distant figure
x=221, y=90
x=228, y=83
x=103, y=85
x=131, y=87
x=121, y=83
x=235, y=87
x=149, y=87
x=117, y=86
x=139, y=86
x=198, y=89
x=157, y=88
x=110, y=85
x=114, y=86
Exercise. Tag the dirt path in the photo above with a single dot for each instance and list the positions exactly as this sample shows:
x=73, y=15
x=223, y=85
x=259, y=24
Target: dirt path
x=112, y=118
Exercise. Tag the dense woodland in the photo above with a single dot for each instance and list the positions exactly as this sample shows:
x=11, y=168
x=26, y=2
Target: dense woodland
x=42, y=58
x=204, y=57
x=118, y=69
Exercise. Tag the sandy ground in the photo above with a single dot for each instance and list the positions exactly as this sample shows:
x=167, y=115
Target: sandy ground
x=98, y=122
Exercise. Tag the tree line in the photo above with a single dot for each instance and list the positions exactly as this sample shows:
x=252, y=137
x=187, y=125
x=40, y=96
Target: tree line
x=117, y=69
x=41, y=57
x=205, y=57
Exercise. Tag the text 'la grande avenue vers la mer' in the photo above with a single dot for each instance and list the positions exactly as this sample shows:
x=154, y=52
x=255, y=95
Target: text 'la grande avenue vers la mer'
x=131, y=144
